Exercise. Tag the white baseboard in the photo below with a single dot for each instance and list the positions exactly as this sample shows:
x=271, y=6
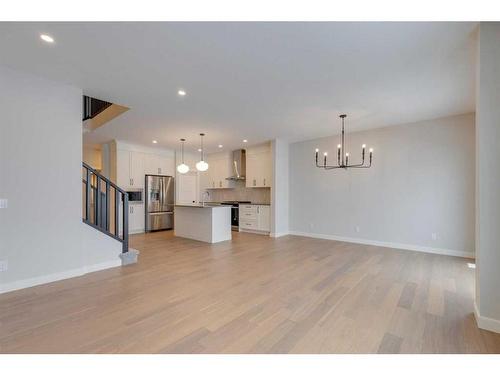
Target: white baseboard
x=280, y=234
x=424, y=249
x=103, y=265
x=483, y=322
x=254, y=231
x=39, y=280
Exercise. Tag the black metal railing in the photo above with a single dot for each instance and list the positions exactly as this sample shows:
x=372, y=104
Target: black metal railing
x=105, y=206
x=92, y=107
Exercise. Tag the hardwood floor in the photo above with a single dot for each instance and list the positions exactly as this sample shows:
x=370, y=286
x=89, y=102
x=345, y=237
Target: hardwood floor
x=254, y=294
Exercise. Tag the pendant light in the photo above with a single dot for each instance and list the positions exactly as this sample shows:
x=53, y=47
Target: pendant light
x=182, y=168
x=343, y=157
x=202, y=165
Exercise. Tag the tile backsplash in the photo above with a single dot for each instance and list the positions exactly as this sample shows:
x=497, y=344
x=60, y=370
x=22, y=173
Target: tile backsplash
x=240, y=193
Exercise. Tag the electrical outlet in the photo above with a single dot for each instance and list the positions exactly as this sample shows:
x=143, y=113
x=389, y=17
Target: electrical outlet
x=434, y=236
x=4, y=265
x=4, y=203
x=356, y=228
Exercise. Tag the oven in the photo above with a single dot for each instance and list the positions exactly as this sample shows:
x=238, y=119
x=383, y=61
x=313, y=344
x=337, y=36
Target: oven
x=235, y=215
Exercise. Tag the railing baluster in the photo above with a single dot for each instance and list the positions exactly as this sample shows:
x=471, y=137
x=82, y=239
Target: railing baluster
x=125, y=223
x=117, y=211
x=107, y=205
x=87, y=196
x=97, y=200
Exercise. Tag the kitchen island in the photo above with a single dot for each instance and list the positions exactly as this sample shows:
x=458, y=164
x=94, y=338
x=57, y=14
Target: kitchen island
x=207, y=223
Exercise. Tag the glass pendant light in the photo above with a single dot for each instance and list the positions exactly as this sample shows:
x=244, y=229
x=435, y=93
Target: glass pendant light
x=182, y=168
x=202, y=165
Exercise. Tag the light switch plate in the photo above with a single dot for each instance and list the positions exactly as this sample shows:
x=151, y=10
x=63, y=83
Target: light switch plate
x=4, y=203
x=4, y=265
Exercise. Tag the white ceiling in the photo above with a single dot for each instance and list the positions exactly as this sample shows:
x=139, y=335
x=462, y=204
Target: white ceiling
x=253, y=80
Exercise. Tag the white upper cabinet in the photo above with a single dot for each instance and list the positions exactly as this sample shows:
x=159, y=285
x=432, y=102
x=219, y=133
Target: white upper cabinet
x=133, y=163
x=219, y=169
x=123, y=169
x=259, y=166
x=129, y=169
x=137, y=169
x=158, y=164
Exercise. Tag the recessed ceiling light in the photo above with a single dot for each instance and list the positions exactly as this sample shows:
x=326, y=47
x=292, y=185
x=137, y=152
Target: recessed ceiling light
x=46, y=38
x=181, y=92
x=199, y=150
x=155, y=141
x=220, y=146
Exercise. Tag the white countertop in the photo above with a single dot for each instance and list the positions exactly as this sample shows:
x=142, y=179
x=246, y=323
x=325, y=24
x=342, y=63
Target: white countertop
x=202, y=206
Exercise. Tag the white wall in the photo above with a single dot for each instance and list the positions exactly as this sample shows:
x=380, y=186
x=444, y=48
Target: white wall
x=92, y=155
x=280, y=188
x=488, y=178
x=421, y=182
x=41, y=231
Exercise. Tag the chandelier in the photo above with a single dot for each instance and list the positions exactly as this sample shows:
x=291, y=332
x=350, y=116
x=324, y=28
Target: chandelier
x=343, y=156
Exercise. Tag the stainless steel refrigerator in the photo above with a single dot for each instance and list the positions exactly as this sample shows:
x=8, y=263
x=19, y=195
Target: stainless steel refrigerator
x=159, y=202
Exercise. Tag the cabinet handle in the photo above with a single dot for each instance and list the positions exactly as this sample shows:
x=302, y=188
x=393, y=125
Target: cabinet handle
x=264, y=182
x=258, y=209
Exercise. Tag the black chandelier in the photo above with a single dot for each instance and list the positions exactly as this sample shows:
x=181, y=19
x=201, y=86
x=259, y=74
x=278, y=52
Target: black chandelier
x=343, y=156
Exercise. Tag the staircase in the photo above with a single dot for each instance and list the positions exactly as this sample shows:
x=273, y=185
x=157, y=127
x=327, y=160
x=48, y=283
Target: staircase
x=105, y=207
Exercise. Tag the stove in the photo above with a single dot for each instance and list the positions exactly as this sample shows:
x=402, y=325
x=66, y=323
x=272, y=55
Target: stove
x=235, y=216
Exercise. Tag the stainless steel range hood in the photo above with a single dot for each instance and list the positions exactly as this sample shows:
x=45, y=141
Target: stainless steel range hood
x=239, y=166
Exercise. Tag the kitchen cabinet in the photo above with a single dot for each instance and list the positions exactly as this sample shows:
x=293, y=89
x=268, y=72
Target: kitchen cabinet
x=137, y=169
x=130, y=169
x=158, y=164
x=128, y=165
x=259, y=166
x=123, y=169
x=255, y=218
x=219, y=169
x=136, y=220
x=264, y=218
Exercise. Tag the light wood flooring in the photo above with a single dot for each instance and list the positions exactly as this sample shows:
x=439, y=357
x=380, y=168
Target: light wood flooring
x=254, y=294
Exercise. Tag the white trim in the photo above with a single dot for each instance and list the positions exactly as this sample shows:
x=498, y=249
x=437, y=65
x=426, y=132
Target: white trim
x=254, y=231
x=281, y=234
x=103, y=265
x=486, y=323
x=424, y=249
x=39, y=280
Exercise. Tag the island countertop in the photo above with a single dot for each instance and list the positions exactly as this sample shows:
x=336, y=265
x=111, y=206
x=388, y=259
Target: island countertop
x=202, y=205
